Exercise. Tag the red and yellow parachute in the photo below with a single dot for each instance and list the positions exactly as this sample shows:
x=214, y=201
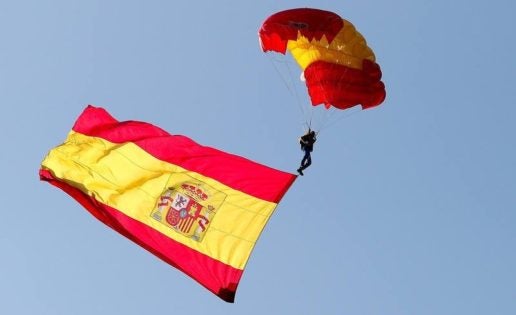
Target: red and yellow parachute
x=339, y=68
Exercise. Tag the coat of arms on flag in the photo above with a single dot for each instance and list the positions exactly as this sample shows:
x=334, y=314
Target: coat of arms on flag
x=187, y=209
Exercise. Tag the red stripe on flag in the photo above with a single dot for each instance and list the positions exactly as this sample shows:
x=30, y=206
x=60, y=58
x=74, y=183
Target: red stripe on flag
x=216, y=276
x=232, y=170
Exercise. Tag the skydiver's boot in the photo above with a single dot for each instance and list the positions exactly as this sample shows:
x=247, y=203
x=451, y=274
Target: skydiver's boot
x=300, y=171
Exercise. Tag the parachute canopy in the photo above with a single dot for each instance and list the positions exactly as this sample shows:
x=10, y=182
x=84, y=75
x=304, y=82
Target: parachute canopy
x=339, y=68
x=199, y=209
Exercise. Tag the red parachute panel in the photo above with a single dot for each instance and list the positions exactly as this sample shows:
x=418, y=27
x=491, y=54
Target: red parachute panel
x=344, y=87
x=283, y=26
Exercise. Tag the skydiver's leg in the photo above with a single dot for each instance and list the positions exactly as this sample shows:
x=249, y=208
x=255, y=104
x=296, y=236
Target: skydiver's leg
x=306, y=161
x=303, y=162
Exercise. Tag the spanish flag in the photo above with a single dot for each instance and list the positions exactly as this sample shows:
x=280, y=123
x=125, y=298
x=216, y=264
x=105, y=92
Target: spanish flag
x=197, y=208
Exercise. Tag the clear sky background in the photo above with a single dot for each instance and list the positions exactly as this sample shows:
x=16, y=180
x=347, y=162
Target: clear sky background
x=408, y=208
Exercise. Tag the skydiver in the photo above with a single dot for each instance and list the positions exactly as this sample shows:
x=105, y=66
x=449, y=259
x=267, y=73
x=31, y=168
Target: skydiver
x=307, y=145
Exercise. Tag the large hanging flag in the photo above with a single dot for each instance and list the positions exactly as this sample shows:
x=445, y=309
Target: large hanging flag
x=199, y=209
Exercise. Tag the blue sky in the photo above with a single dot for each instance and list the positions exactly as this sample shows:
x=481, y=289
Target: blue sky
x=409, y=208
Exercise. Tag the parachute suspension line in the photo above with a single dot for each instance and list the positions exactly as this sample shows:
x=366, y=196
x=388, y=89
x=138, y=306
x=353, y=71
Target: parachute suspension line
x=288, y=81
x=321, y=115
x=298, y=99
x=309, y=123
x=316, y=118
x=347, y=113
x=333, y=115
x=275, y=61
